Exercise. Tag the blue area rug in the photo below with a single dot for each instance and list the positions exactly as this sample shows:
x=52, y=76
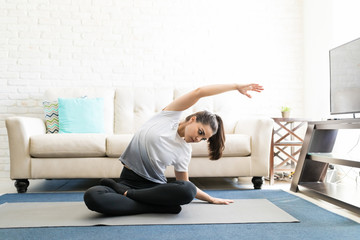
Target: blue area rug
x=315, y=222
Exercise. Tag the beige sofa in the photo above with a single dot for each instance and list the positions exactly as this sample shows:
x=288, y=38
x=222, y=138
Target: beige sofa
x=37, y=155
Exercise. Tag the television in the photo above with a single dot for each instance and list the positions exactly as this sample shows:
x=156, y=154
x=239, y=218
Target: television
x=345, y=78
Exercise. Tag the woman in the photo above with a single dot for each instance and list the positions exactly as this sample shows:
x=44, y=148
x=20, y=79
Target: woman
x=162, y=141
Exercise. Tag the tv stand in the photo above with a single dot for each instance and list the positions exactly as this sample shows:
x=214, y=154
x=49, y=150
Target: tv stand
x=315, y=157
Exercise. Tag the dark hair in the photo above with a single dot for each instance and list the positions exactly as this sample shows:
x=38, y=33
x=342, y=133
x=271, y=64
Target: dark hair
x=216, y=143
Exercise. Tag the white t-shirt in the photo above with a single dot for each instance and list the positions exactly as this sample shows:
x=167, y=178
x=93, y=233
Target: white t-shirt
x=157, y=145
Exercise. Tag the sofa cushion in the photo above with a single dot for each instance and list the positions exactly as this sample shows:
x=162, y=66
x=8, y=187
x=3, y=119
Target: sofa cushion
x=116, y=144
x=67, y=145
x=236, y=145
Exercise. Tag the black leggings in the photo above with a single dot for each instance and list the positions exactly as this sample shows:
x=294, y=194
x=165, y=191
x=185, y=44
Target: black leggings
x=143, y=196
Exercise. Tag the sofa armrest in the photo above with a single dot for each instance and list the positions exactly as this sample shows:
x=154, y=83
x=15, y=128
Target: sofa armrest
x=20, y=129
x=260, y=130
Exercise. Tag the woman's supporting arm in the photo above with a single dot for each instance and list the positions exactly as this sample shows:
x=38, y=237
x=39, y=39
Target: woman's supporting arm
x=201, y=195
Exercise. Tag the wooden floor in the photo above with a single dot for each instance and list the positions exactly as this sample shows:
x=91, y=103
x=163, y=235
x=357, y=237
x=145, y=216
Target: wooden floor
x=7, y=186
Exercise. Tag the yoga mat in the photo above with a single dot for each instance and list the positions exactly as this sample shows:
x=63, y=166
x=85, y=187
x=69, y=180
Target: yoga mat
x=56, y=214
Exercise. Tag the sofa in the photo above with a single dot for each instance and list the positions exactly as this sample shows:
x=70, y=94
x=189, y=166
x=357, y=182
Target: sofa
x=37, y=154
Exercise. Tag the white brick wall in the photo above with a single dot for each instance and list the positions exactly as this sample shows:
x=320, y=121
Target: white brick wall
x=52, y=43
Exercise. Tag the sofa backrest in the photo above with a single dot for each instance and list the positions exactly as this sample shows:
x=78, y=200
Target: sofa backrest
x=133, y=106
x=127, y=108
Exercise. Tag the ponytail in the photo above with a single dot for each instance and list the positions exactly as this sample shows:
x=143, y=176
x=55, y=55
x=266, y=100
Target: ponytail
x=216, y=143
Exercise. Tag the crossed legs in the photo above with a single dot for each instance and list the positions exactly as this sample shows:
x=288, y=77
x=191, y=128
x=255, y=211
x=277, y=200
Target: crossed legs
x=140, y=198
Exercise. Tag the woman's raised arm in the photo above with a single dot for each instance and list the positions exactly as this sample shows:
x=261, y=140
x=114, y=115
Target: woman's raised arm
x=189, y=99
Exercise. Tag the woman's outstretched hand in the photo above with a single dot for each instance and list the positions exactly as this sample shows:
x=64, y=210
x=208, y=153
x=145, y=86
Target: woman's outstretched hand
x=243, y=89
x=220, y=201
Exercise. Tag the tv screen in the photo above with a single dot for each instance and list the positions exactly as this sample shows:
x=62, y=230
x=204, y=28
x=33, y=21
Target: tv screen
x=345, y=78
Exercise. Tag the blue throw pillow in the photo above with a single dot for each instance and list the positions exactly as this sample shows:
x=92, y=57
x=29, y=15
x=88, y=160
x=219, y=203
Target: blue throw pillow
x=81, y=115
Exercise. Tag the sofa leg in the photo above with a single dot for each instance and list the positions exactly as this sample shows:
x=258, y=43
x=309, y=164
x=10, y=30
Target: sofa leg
x=257, y=181
x=22, y=185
